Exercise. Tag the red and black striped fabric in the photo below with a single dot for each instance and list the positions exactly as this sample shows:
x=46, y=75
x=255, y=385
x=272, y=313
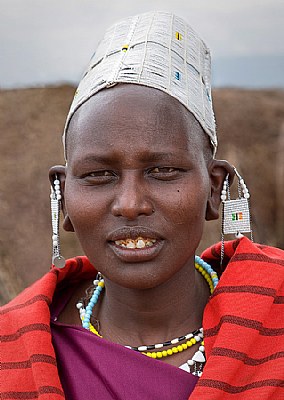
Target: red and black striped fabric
x=28, y=363
x=243, y=321
x=244, y=325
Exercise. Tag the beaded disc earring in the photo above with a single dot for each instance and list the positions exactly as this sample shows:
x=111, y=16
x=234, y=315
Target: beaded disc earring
x=55, y=203
x=236, y=217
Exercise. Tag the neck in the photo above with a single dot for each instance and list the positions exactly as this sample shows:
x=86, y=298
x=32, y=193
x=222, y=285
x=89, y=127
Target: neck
x=130, y=316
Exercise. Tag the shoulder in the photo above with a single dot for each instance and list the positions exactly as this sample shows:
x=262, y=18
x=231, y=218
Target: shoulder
x=261, y=252
x=40, y=294
x=258, y=256
x=244, y=251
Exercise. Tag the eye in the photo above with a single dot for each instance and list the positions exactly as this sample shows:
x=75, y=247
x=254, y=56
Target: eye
x=165, y=173
x=99, y=177
x=100, y=173
x=162, y=170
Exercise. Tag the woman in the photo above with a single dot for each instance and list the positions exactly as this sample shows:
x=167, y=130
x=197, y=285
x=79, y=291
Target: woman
x=129, y=319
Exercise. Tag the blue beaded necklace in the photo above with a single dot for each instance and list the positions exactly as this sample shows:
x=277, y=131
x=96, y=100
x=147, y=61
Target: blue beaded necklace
x=191, y=338
x=201, y=266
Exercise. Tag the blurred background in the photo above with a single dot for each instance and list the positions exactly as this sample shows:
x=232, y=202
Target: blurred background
x=45, y=46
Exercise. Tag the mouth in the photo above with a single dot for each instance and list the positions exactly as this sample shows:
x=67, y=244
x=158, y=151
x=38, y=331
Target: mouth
x=138, y=243
x=135, y=244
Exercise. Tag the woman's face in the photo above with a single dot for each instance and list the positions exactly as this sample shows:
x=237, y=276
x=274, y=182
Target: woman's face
x=137, y=184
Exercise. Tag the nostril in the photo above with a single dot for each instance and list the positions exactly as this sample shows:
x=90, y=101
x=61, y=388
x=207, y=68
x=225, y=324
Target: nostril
x=131, y=198
x=131, y=210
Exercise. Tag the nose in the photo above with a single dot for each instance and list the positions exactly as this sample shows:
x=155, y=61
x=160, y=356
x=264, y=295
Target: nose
x=131, y=198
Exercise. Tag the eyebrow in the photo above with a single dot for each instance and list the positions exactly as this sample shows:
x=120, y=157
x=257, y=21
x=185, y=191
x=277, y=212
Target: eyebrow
x=146, y=157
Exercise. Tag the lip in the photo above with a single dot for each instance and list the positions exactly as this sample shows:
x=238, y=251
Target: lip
x=135, y=255
x=133, y=232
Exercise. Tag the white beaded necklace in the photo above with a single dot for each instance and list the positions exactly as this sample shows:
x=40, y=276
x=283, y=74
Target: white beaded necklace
x=193, y=365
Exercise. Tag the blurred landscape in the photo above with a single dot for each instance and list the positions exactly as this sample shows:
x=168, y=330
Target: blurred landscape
x=251, y=136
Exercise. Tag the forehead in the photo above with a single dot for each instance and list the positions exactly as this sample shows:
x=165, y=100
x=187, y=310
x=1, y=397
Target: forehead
x=134, y=118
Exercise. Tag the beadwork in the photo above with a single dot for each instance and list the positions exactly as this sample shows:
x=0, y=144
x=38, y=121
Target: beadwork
x=236, y=215
x=198, y=356
x=188, y=337
x=191, y=338
x=209, y=274
x=85, y=314
x=145, y=49
x=175, y=349
x=55, y=201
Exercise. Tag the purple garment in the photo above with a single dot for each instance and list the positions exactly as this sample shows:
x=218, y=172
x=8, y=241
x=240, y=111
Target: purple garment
x=93, y=368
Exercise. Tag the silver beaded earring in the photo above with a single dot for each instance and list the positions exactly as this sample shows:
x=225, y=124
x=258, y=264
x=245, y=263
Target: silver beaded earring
x=236, y=217
x=55, y=203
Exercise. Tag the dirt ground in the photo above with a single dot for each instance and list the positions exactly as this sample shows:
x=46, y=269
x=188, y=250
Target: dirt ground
x=251, y=136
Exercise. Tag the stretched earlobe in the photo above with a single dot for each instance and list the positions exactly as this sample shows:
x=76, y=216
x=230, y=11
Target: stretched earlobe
x=67, y=224
x=218, y=171
x=60, y=172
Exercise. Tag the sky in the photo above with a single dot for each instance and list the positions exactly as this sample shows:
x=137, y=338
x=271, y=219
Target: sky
x=46, y=42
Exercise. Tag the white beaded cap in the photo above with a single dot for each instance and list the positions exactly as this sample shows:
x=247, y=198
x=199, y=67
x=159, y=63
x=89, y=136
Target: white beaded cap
x=155, y=49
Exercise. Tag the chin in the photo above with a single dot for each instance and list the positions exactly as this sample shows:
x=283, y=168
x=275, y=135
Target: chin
x=136, y=278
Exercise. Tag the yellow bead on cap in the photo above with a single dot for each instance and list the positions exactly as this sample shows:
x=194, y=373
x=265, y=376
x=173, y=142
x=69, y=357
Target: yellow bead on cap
x=178, y=36
x=125, y=47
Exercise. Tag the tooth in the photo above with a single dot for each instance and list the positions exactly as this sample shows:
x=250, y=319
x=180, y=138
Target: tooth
x=140, y=244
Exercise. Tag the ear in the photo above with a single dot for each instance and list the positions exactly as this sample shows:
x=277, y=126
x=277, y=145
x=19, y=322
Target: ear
x=59, y=172
x=218, y=171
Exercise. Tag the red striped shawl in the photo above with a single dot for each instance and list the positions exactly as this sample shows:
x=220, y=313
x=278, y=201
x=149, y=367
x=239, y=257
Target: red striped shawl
x=243, y=321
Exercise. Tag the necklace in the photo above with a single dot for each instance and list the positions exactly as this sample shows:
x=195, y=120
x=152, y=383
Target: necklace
x=191, y=338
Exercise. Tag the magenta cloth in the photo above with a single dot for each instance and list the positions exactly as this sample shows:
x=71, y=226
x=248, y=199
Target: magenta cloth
x=94, y=368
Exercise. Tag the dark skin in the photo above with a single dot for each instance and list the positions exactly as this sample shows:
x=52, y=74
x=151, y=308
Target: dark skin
x=138, y=161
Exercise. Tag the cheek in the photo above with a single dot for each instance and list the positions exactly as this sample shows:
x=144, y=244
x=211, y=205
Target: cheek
x=186, y=216
x=184, y=206
x=85, y=214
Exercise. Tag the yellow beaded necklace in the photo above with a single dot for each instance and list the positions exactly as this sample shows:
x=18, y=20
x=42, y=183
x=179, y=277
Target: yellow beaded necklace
x=160, y=354
x=211, y=278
